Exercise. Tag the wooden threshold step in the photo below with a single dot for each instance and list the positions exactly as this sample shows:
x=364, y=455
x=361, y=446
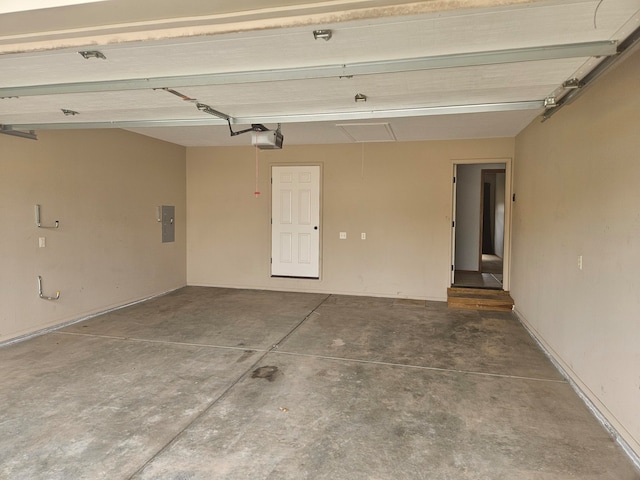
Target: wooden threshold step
x=478, y=291
x=479, y=299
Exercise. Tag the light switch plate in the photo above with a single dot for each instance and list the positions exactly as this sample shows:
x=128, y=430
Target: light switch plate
x=343, y=235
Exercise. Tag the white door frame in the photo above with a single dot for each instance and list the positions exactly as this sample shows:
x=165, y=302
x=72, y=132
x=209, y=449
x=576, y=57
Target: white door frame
x=508, y=189
x=454, y=197
x=317, y=228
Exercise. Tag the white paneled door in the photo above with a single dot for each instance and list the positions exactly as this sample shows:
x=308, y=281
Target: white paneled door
x=295, y=221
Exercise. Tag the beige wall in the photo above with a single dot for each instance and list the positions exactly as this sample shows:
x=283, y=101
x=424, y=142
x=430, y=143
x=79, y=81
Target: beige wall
x=577, y=181
x=399, y=194
x=103, y=187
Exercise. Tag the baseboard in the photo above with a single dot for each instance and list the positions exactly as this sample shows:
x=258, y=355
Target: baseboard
x=604, y=421
x=297, y=289
x=53, y=328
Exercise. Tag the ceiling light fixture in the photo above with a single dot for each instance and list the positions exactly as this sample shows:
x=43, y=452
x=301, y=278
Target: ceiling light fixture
x=69, y=113
x=323, y=34
x=87, y=54
x=360, y=97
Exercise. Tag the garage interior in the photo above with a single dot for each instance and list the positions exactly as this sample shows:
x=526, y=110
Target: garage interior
x=144, y=332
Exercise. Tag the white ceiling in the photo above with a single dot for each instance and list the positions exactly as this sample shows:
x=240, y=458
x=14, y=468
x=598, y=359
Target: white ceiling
x=258, y=62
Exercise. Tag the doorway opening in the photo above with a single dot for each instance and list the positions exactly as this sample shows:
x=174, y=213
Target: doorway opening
x=492, y=227
x=295, y=221
x=480, y=225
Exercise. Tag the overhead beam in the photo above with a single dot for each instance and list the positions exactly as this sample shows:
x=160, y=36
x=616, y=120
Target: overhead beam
x=297, y=118
x=494, y=57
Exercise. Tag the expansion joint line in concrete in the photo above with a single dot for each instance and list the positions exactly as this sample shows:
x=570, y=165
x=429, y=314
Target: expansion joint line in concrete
x=164, y=342
x=421, y=367
x=299, y=324
x=228, y=389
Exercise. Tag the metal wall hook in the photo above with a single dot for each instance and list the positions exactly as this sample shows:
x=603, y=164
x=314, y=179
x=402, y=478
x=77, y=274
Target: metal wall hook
x=39, y=225
x=41, y=295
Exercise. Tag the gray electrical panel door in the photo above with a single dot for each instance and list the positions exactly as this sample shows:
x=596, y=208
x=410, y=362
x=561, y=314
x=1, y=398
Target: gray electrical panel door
x=168, y=223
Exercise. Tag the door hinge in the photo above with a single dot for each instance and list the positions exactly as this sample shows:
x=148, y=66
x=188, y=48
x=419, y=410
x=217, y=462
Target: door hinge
x=454, y=179
x=453, y=224
x=452, y=268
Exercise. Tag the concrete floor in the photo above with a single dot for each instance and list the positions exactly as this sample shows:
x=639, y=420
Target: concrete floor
x=209, y=383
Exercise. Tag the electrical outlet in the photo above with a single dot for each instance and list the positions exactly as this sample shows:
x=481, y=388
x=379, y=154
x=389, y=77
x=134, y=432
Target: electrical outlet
x=579, y=262
x=363, y=236
x=42, y=242
x=343, y=235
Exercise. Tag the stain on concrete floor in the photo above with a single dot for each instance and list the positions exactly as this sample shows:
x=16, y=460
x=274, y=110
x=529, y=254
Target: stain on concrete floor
x=268, y=372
